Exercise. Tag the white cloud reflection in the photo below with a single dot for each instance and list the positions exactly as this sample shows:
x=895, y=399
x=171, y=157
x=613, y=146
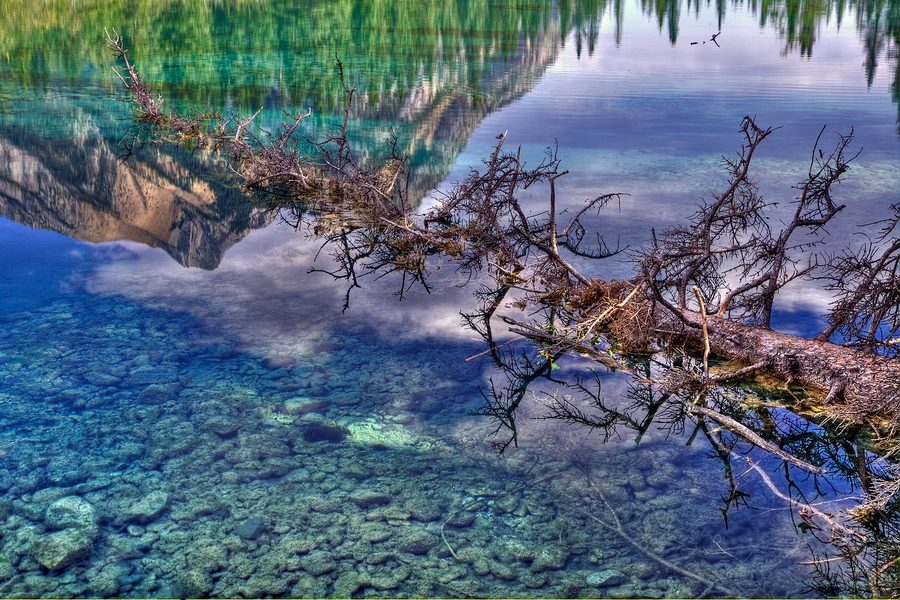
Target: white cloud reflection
x=264, y=296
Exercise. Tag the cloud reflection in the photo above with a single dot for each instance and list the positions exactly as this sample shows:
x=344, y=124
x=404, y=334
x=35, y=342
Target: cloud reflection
x=264, y=296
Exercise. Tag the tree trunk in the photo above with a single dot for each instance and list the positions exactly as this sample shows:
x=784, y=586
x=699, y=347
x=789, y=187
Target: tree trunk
x=856, y=384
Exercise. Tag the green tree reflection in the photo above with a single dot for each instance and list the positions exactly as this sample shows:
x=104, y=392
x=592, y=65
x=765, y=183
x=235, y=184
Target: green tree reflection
x=797, y=23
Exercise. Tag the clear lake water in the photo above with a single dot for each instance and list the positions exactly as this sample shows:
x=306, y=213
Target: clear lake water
x=187, y=410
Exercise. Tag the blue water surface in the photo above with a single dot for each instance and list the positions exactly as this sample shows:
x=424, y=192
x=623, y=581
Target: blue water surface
x=187, y=410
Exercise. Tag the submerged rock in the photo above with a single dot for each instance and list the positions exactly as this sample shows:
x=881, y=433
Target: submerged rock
x=73, y=512
x=148, y=508
x=550, y=559
x=302, y=406
x=318, y=563
x=349, y=583
x=62, y=549
x=325, y=432
x=418, y=542
x=195, y=584
x=222, y=426
x=369, y=498
x=101, y=379
x=606, y=578
x=70, y=511
x=251, y=529
x=156, y=394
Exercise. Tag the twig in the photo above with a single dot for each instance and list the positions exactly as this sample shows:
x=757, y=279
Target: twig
x=753, y=438
x=620, y=531
x=445, y=539
x=611, y=309
x=807, y=507
x=705, y=333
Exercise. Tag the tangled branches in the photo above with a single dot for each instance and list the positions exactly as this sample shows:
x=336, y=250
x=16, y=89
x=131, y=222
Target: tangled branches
x=867, y=311
x=727, y=251
x=730, y=234
x=708, y=285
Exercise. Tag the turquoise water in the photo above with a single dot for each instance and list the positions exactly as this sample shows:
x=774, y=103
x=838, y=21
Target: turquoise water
x=187, y=410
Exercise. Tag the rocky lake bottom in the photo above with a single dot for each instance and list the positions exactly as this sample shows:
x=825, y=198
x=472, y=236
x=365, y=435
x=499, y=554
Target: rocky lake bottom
x=145, y=454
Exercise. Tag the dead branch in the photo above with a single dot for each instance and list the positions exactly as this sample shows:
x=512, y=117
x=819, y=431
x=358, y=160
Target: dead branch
x=617, y=528
x=867, y=280
x=746, y=433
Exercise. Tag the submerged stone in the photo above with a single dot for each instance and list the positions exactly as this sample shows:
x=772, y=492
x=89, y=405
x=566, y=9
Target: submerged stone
x=156, y=394
x=100, y=379
x=349, y=583
x=606, y=578
x=148, y=508
x=324, y=432
x=318, y=563
x=418, y=542
x=222, y=426
x=61, y=549
x=550, y=559
x=194, y=584
x=71, y=511
x=302, y=406
x=251, y=529
x=369, y=498
x=151, y=376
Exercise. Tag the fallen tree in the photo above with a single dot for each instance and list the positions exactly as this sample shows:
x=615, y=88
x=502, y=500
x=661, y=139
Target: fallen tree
x=702, y=292
x=679, y=297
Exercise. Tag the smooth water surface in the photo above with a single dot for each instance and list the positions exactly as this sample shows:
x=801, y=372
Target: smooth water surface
x=187, y=411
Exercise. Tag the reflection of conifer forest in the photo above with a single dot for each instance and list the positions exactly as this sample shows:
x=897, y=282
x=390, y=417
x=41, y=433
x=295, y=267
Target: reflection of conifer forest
x=798, y=23
x=62, y=37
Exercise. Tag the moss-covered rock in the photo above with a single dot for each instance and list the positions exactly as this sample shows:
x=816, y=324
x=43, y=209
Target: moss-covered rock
x=501, y=571
x=156, y=394
x=302, y=406
x=349, y=583
x=75, y=512
x=417, y=541
x=59, y=550
x=375, y=533
x=309, y=587
x=148, y=508
x=391, y=579
x=368, y=498
x=550, y=558
x=461, y=518
x=263, y=585
x=465, y=588
x=194, y=583
x=105, y=583
x=318, y=563
x=535, y=580
x=208, y=557
x=605, y=578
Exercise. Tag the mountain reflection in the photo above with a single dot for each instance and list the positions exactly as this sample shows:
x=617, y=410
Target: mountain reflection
x=169, y=201
x=429, y=71
x=438, y=71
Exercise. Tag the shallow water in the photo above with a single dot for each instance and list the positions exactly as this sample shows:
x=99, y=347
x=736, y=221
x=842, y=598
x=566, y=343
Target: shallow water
x=235, y=433
x=202, y=388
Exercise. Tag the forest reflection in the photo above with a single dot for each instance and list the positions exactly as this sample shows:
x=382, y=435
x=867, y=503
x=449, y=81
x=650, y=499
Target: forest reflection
x=798, y=24
x=413, y=40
